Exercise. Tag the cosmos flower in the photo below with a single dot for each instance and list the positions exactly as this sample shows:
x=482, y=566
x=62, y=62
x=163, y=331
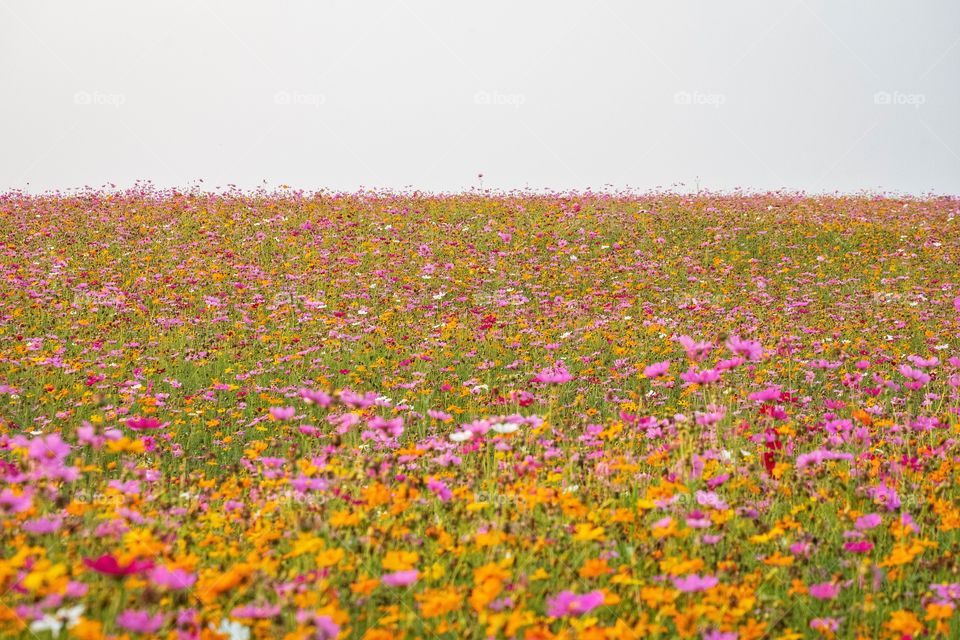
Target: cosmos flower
x=109, y=565
x=656, y=369
x=694, y=582
x=568, y=603
x=558, y=374
x=172, y=578
x=140, y=621
x=749, y=349
x=400, y=578
x=824, y=590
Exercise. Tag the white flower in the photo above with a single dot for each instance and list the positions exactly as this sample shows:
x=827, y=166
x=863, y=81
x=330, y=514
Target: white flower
x=47, y=623
x=233, y=630
x=54, y=623
x=461, y=436
x=504, y=427
x=71, y=614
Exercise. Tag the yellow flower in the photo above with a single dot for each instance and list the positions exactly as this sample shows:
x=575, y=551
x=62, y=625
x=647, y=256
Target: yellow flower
x=306, y=543
x=330, y=557
x=437, y=602
x=400, y=560
x=364, y=586
x=344, y=518
x=938, y=611
x=586, y=532
x=595, y=567
x=904, y=623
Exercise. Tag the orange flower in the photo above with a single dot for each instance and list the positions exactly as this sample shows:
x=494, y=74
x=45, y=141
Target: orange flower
x=595, y=567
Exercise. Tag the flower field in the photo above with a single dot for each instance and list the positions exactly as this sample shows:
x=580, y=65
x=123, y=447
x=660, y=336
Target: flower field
x=290, y=415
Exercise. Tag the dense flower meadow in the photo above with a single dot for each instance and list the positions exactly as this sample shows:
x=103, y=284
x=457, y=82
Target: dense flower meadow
x=372, y=415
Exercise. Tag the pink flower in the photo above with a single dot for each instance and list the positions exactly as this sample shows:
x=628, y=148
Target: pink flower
x=49, y=449
x=820, y=455
x=868, y=521
x=439, y=489
x=43, y=525
x=172, y=578
x=259, y=612
x=694, y=582
x=282, y=413
x=400, y=578
x=770, y=394
x=656, y=369
x=140, y=621
x=558, y=374
x=749, y=349
x=144, y=424
x=858, y=546
x=315, y=397
x=828, y=626
x=696, y=351
x=11, y=502
x=692, y=376
x=824, y=590
x=387, y=428
x=917, y=375
x=568, y=603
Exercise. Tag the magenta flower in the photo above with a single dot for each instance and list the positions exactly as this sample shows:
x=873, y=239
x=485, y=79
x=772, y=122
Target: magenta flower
x=694, y=582
x=108, y=565
x=824, y=590
x=400, y=578
x=858, y=546
x=656, y=369
x=140, y=621
x=568, y=603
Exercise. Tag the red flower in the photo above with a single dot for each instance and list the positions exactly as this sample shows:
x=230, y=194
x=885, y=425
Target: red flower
x=773, y=445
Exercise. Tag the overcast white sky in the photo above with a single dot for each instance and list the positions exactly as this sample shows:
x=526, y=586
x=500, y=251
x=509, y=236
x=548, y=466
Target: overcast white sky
x=799, y=94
